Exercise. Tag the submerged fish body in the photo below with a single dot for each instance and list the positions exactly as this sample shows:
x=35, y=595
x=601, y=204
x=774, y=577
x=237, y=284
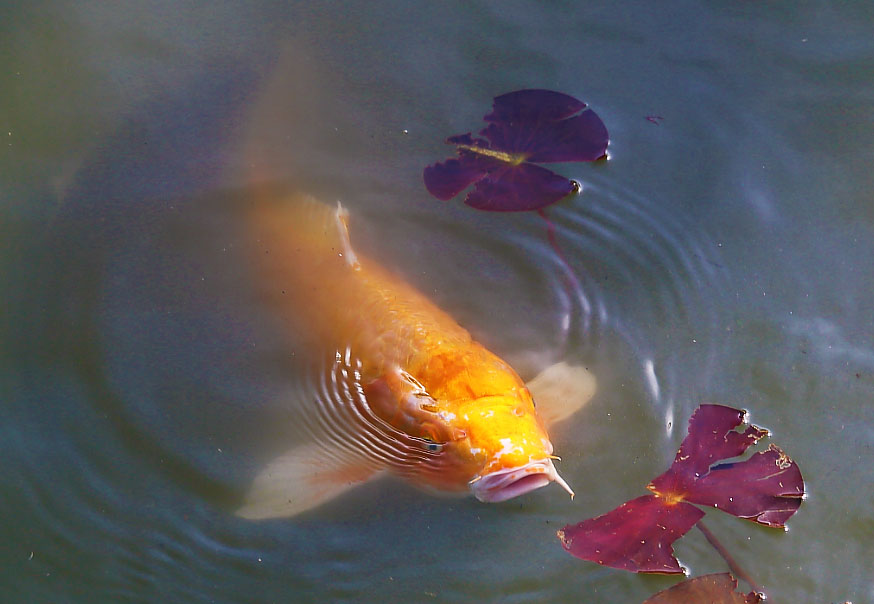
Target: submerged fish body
x=406, y=389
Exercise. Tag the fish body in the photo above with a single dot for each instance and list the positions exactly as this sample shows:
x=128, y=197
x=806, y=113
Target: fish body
x=410, y=391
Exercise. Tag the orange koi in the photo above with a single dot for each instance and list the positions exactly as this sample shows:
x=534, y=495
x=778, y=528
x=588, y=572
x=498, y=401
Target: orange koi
x=405, y=388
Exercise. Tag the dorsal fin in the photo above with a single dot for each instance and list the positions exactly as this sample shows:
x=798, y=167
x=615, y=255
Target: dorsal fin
x=315, y=228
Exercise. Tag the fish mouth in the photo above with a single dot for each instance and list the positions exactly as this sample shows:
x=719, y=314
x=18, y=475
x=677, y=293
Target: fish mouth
x=512, y=482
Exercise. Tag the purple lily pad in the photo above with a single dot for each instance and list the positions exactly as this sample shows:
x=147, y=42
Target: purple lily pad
x=525, y=127
x=637, y=536
x=766, y=488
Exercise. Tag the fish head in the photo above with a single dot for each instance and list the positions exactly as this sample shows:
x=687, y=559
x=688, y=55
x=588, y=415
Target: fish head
x=508, y=445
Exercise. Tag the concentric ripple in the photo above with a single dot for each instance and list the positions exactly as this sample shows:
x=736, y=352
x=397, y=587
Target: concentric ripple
x=333, y=410
x=652, y=278
x=608, y=267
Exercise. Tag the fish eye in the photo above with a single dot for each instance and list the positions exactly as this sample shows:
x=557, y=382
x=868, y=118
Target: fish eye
x=431, y=445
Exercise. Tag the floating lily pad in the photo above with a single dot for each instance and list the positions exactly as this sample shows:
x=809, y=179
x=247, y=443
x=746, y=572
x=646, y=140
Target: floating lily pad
x=526, y=127
x=638, y=535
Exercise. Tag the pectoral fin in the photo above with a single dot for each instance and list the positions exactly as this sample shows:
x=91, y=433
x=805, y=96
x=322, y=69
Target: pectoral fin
x=301, y=479
x=353, y=442
x=561, y=390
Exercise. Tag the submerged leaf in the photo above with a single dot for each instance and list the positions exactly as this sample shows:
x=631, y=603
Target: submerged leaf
x=636, y=536
x=525, y=127
x=717, y=588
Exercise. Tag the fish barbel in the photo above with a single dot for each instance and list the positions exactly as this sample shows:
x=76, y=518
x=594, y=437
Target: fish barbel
x=406, y=389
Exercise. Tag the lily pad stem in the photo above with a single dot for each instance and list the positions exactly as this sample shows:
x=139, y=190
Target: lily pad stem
x=732, y=563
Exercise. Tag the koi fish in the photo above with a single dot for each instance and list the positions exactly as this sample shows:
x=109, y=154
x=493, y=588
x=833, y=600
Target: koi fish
x=404, y=388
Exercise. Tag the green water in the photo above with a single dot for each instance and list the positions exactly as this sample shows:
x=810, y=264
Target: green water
x=723, y=251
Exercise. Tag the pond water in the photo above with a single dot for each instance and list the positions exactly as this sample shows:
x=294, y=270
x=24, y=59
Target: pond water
x=723, y=253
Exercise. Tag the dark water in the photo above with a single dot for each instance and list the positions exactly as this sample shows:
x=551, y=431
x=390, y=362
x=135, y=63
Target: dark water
x=724, y=254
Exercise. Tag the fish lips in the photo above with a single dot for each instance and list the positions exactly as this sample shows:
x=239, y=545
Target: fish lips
x=512, y=482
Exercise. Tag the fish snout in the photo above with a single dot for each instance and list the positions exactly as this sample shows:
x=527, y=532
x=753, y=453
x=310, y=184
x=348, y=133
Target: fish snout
x=504, y=484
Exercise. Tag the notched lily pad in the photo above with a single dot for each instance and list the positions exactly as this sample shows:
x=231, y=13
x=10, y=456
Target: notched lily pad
x=766, y=488
x=526, y=127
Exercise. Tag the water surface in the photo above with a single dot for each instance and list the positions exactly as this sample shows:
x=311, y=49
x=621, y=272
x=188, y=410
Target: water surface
x=723, y=254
